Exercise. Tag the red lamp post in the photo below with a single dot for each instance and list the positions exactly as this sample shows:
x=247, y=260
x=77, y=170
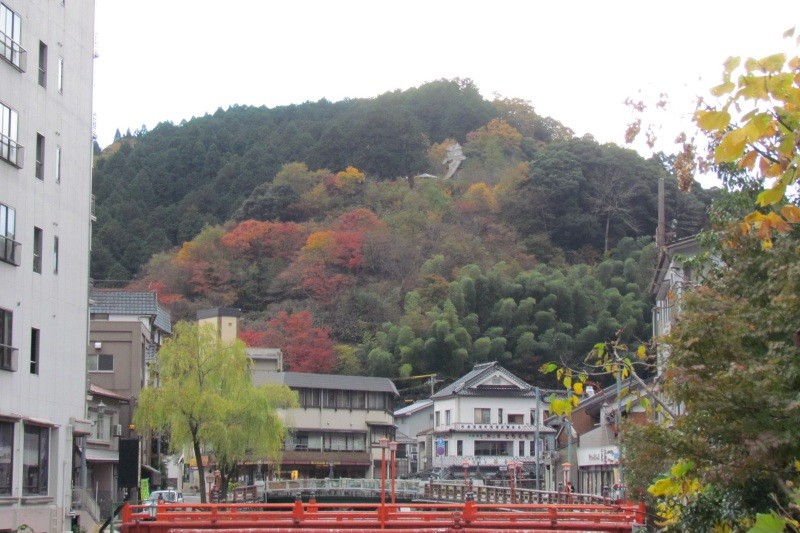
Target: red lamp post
x=384, y=443
x=393, y=449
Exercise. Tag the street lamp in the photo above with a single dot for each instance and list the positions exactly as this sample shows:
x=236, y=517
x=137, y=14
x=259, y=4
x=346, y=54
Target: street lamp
x=393, y=449
x=384, y=443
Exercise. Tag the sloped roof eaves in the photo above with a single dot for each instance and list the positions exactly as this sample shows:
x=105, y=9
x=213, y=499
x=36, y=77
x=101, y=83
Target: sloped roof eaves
x=414, y=407
x=476, y=375
x=130, y=303
x=330, y=381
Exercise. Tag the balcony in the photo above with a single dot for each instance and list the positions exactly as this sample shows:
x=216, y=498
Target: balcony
x=9, y=250
x=8, y=358
x=13, y=53
x=490, y=460
x=11, y=151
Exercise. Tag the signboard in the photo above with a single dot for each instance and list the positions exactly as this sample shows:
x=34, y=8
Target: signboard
x=440, y=446
x=145, y=488
x=605, y=455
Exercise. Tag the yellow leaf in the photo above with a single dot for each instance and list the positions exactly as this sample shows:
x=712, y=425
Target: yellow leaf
x=578, y=388
x=723, y=88
x=713, y=120
x=568, y=382
x=731, y=146
x=773, y=63
x=641, y=351
x=575, y=400
x=766, y=244
x=731, y=63
x=772, y=195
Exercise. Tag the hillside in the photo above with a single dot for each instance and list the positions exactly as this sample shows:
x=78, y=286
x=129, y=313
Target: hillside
x=310, y=219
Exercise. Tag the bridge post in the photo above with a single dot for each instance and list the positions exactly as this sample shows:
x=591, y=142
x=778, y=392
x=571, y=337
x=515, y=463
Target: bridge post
x=470, y=508
x=297, y=510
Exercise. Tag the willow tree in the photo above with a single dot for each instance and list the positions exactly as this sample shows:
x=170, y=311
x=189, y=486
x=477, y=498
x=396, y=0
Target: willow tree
x=204, y=396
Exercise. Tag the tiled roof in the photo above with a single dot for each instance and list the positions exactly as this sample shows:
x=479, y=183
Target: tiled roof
x=328, y=381
x=464, y=385
x=118, y=302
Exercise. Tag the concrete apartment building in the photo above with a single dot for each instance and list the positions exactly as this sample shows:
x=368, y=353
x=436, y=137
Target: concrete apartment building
x=46, y=71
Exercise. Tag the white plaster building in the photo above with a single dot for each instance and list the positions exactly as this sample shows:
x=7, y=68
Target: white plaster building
x=413, y=423
x=489, y=418
x=46, y=66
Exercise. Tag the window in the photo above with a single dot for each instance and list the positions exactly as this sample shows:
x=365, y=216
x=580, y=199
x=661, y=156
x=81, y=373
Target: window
x=8, y=246
x=6, y=456
x=35, y=461
x=359, y=399
x=60, y=74
x=7, y=352
x=37, y=250
x=438, y=419
x=11, y=37
x=309, y=397
x=39, y=156
x=491, y=447
x=516, y=419
x=447, y=417
x=10, y=150
x=42, y=64
x=376, y=400
x=521, y=448
x=55, y=254
x=482, y=415
x=58, y=164
x=500, y=416
x=459, y=448
x=100, y=362
x=34, y=351
x=101, y=429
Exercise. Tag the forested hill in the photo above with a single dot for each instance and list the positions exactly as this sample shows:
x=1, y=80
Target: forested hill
x=328, y=219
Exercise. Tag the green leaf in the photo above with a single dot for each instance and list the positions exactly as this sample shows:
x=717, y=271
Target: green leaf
x=547, y=368
x=768, y=523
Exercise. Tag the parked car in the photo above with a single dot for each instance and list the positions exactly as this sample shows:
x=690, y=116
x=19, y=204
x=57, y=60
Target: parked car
x=168, y=496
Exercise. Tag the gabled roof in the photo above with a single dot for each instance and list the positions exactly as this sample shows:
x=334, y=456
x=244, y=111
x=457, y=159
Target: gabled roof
x=117, y=302
x=487, y=379
x=327, y=381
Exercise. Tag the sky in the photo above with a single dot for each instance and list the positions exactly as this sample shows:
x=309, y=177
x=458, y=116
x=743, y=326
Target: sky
x=576, y=61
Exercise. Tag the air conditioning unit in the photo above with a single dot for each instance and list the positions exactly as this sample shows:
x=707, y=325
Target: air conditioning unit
x=116, y=430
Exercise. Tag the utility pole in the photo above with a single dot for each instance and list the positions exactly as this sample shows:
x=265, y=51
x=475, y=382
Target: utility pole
x=536, y=436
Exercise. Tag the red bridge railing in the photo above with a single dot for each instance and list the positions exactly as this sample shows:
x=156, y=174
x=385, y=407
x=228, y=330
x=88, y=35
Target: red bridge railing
x=400, y=518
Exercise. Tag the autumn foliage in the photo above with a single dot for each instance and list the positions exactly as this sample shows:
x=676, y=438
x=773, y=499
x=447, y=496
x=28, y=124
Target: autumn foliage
x=305, y=348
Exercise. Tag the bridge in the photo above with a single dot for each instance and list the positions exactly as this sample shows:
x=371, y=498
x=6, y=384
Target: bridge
x=435, y=508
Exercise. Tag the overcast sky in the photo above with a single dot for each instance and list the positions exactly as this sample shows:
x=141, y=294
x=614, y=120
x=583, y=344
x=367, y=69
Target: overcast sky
x=576, y=61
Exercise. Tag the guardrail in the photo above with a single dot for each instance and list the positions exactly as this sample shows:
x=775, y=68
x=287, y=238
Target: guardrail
x=424, y=517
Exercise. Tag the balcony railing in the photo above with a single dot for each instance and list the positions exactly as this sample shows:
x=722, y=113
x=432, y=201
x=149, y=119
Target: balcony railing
x=11, y=51
x=489, y=460
x=8, y=358
x=9, y=250
x=11, y=151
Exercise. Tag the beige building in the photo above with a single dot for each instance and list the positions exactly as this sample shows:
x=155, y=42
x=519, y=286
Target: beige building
x=125, y=332
x=336, y=430
x=46, y=67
